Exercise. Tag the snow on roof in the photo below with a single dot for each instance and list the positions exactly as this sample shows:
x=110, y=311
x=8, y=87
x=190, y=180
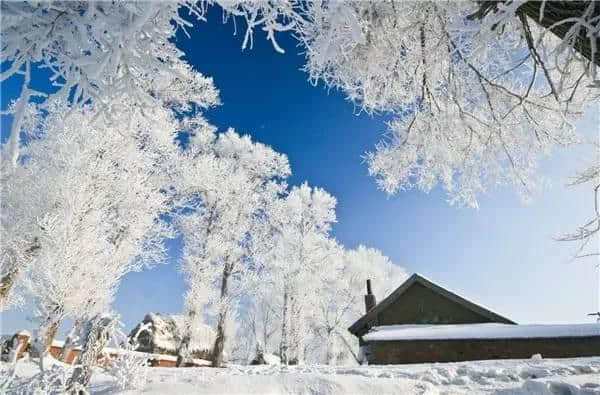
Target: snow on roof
x=478, y=331
x=58, y=343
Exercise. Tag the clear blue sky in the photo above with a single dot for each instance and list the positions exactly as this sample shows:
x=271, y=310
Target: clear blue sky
x=502, y=255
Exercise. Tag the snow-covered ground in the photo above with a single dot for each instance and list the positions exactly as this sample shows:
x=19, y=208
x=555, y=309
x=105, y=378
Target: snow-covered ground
x=505, y=377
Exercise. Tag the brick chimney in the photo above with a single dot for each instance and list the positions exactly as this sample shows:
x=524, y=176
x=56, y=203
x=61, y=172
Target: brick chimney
x=370, y=301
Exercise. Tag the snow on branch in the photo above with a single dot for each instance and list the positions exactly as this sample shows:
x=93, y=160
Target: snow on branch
x=587, y=234
x=477, y=100
x=98, y=51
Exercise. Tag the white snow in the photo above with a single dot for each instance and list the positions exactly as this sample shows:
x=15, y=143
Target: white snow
x=584, y=385
x=505, y=377
x=272, y=359
x=478, y=331
x=58, y=343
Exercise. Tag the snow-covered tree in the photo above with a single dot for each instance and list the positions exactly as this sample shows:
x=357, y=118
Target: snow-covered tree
x=98, y=51
x=587, y=234
x=259, y=325
x=142, y=116
x=94, y=205
x=96, y=200
x=18, y=215
x=232, y=179
x=477, y=102
x=96, y=333
x=326, y=302
x=339, y=300
x=481, y=90
x=299, y=247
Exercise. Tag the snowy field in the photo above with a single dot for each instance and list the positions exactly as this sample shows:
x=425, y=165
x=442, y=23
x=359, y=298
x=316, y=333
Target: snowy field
x=546, y=376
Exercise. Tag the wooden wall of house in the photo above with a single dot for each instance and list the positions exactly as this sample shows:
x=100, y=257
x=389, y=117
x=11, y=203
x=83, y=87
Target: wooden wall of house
x=421, y=351
x=420, y=305
x=71, y=356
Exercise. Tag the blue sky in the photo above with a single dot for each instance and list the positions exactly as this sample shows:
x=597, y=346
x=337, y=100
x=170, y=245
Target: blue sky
x=502, y=255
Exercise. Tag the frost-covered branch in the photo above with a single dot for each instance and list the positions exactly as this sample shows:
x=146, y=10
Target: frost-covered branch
x=96, y=51
x=588, y=235
x=476, y=104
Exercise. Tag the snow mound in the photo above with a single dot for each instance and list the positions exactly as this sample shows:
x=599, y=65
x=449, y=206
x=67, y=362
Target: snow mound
x=162, y=334
x=272, y=359
x=573, y=385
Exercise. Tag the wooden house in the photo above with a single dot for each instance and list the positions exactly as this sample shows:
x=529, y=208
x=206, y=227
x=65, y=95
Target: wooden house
x=423, y=322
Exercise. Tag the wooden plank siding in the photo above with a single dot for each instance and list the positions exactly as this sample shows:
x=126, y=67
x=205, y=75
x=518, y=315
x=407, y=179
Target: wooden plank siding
x=425, y=351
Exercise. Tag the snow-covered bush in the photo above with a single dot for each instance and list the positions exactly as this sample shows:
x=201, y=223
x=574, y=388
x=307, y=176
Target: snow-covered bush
x=127, y=367
x=54, y=380
x=262, y=358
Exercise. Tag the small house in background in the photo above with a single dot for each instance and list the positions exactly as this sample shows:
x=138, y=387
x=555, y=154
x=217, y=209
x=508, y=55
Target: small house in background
x=17, y=344
x=162, y=334
x=158, y=337
x=423, y=322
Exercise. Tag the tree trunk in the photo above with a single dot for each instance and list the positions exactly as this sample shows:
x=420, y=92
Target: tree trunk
x=283, y=347
x=330, y=355
x=183, y=349
x=96, y=335
x=49, y=335
x=350, y=349
x=292, y=336
x=293, y=333
x=40, y=344
x=217, y=353
x=69, y=342
x=295, y=338
x=6, y=283
x=8, y=279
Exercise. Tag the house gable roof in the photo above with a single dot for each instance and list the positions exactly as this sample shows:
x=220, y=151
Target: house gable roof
x=362, y=322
